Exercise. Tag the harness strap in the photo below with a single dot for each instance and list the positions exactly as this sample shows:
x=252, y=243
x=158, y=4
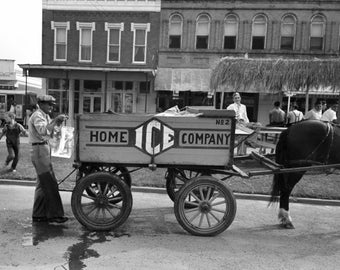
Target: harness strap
x=330, y=132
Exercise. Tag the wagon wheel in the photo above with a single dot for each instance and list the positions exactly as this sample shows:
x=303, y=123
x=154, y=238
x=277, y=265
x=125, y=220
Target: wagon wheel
x=212, y=211
x=109, y=206
x=122, y=172
x=176, y=178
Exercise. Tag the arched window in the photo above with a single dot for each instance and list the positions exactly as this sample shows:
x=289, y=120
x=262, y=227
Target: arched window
x=202, y=32
x=288, y=30
x=258, y=33
x=230, y=32
x=317, y=33
x=175, y=31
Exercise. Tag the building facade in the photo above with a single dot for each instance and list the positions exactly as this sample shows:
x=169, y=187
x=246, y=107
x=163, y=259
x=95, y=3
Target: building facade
x=141, y=56
x=195, y=35
x=99, y=56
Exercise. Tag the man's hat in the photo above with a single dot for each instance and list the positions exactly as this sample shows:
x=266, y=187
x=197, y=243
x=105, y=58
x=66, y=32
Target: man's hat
x=46, y=99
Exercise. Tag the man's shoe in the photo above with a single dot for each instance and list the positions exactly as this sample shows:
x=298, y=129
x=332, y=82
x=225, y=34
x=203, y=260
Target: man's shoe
x=58, y=219
x=39, y=219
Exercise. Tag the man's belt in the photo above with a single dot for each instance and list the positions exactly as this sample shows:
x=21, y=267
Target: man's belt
x=40, y=143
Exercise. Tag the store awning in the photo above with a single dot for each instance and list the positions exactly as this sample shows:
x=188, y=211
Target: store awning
x=84, y=72
x=182, y=79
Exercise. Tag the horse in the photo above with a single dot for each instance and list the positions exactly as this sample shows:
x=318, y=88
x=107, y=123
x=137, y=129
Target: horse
x=305, y=143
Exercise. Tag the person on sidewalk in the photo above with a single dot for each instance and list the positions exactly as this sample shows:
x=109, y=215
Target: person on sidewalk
x=294, y=115
x=330, y=114
x=277, y=116
x=47, y=201
x=315, y=113
x=12, y=130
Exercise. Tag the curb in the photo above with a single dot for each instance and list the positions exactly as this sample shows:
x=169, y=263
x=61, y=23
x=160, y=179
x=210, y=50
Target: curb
x=243, y=196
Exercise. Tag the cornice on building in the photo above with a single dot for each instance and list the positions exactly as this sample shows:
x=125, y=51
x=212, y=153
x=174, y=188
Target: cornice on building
x=103, y=5
x=332, y=5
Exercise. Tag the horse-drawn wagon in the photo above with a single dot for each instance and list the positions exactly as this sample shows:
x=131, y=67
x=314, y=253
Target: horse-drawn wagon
x=109, y=147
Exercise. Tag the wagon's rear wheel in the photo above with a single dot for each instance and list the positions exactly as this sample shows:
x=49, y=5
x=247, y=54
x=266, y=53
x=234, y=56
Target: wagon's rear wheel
x=176, y=178
x=213, y=210
x=109, y=205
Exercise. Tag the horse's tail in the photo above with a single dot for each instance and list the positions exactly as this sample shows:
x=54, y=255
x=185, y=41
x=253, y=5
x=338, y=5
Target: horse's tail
x=280, y=158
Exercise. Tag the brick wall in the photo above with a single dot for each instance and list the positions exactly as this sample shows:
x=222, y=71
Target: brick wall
x=100, y=36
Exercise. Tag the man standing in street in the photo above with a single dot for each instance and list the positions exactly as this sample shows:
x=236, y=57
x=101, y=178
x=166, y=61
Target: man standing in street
x=277, y=115
x=47, y=202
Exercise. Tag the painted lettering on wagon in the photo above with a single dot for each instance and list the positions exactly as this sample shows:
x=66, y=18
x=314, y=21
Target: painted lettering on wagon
x=199, y=138
x=112, y=137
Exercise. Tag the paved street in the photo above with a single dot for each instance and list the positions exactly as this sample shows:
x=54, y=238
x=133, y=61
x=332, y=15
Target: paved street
x=151, y=238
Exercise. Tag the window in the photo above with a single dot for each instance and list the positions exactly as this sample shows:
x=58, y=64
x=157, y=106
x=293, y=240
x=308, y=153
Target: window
x=202, y=32
x=60, y=40
x=259, y=29
x=85, y=41
x=122, y=98
x=230, y=32
x=140, y=36
x=114, y=31
x=175, y=31
x=288, y=26
x=317, y=32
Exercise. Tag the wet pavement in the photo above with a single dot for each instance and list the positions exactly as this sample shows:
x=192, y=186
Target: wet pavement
x=151, y=238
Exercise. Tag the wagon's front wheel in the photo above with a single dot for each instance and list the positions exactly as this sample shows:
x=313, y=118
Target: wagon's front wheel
x=109, y=205
x=213, y=209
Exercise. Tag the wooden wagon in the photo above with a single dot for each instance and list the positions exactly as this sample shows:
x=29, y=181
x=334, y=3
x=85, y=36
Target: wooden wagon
x=194, y=150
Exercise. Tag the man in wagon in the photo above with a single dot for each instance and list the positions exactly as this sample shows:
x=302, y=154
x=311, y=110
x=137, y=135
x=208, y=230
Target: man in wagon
x=47, y=202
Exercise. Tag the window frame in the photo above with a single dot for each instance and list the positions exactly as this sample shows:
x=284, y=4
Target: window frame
x=108, y=28
x=181, y=34
x=265, y=30
x=80, y=27
x=55, y=26
x=146, y=28
x=294, y=30
x=237, y=29
x=323, y=32
x=196, y=35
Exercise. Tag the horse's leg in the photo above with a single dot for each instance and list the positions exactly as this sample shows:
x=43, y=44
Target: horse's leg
x=286, y=187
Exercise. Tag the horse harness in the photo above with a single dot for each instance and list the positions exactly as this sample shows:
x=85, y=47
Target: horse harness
x=310, y=159
x=330, y=134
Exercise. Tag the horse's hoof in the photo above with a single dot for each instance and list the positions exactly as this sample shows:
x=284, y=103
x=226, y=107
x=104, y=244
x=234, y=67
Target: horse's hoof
x=287, y=225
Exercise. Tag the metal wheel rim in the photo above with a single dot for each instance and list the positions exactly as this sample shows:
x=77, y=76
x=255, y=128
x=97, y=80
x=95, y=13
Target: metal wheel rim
x=209, y=209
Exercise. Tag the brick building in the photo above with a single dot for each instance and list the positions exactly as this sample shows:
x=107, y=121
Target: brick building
x=134, y=56
x=99, y=55
x=196, y=34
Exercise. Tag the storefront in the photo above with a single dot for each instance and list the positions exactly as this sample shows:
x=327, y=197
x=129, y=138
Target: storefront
x=93, y=90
